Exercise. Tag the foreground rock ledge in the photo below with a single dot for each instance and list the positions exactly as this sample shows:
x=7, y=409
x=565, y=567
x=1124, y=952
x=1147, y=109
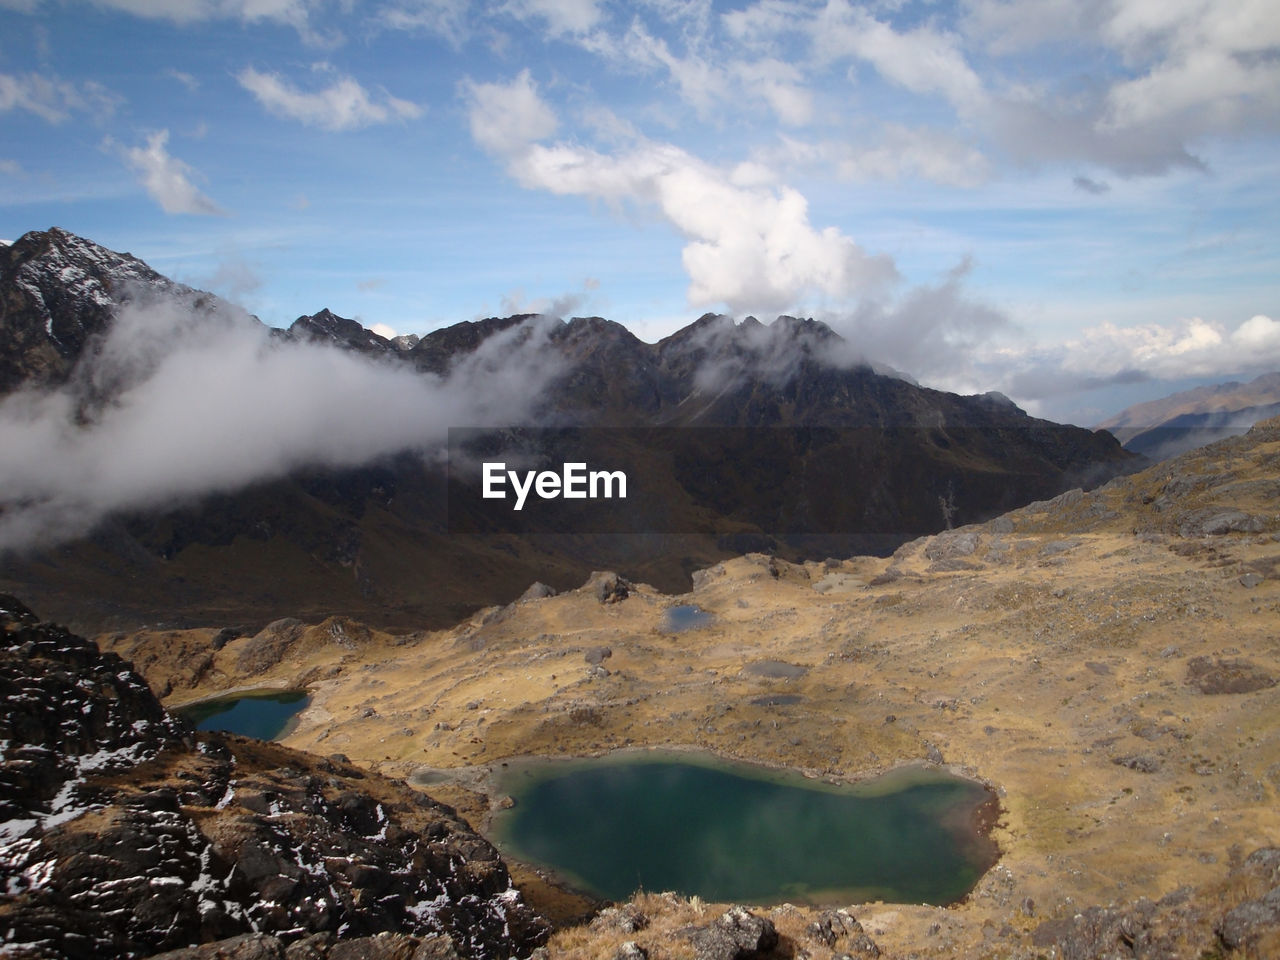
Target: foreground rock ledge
x=126, y=836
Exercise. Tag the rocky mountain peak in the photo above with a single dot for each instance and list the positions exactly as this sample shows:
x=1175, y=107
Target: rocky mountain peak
x=327, y=327
x=57, y=291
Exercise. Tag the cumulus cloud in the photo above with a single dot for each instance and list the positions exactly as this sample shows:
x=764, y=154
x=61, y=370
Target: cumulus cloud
x=170, y=430
x=749, y=245
x=168, y=179
x=343, y=105
x=1107, y=355
x=1186, y=70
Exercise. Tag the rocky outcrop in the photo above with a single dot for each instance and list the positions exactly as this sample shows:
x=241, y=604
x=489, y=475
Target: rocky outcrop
x=1216, y=675
x=738, y=934
x=327, y=327
x=58, y=291
x=124, y=836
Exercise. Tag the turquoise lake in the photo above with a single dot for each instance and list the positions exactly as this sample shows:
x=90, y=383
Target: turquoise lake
x=263, y=715
x=730, y=832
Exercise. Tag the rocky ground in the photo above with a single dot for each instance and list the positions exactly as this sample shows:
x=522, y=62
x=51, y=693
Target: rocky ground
x=124, y=835
x=1107, y=662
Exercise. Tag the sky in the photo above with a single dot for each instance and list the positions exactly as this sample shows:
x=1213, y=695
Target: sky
x=1075, y=202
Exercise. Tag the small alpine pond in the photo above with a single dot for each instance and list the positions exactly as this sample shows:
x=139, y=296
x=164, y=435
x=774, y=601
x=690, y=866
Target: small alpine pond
x=265, y=714
x=725, y=831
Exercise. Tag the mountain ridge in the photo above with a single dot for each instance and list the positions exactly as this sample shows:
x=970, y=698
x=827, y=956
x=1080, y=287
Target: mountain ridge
x=374, y=540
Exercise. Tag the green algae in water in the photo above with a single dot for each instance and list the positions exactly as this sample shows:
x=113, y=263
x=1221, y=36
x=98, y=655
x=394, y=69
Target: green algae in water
x=266, y=716
x=732, y=833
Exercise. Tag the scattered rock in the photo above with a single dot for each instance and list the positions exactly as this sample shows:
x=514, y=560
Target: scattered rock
x=597, y=655
x=1250, y=580
x=737, y=935
x=1216, y=675
x=1141, y=763
x=630, y=950
x=952, y=544
x=608, y=587
x=840, y=926
x=627, y=918
x=537, y=591
x=1214, y=521
x=932, y=753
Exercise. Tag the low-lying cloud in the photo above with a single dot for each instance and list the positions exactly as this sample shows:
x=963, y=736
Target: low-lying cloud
x=177, y=405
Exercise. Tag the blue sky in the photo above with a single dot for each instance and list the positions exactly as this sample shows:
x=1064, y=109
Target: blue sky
x=1072, y=201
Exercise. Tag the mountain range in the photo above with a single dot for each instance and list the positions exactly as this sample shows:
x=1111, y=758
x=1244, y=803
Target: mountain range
x=1164, y=428
x=327, y=530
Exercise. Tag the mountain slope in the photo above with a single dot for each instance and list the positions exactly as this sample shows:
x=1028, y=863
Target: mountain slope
x=1182, y=421
x=1105, y=661
x=376, y=540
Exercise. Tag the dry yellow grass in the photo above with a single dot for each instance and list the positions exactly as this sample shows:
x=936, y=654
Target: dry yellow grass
x=1045, y=653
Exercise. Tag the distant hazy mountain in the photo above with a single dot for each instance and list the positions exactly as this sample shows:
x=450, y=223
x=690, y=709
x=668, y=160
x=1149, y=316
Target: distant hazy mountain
x=374, y=539
x=1164, y=428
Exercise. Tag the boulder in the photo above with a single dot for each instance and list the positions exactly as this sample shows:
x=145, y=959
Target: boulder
x=736, y=935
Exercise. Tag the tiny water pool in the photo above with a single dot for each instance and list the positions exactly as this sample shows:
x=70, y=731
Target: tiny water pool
x=686, y=616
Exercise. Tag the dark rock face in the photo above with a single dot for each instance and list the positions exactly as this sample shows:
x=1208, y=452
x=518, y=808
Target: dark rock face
x=1251, y=921
x=840, y=927
x=1139, y=931
x=1214, y=676
x=57, y=291
x=327, y=327
x=124, y=837
x=70, y=711
x=738, y=934
x=609, y=587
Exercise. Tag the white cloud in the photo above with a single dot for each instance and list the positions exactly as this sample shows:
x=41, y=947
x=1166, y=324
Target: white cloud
x=507, y=117
x=11, y=168
x=382, y=330
x=54, y=99
x=781, y=86
x=922, y=60
x=750, y=245
x=163, y=432
x=184, y=78
x=1108, y=354
x=561, y=16
x=1187, y=68
x=343, y=105
x=895, y=153
x=1191, y=347
x=166, y=178
x=447, y=19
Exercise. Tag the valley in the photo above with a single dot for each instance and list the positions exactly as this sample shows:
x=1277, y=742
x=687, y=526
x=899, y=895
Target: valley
x=1105, y=661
